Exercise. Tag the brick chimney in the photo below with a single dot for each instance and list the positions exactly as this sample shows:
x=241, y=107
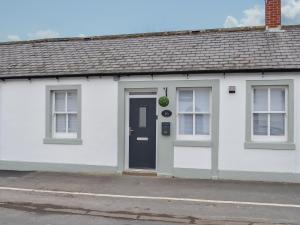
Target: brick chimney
x=273, y=14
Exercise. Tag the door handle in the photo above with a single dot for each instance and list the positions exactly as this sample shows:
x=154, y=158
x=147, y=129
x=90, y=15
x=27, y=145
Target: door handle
x=130, y=130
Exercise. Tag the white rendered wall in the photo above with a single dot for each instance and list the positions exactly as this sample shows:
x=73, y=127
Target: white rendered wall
x=232, y=154
x=192, y=157
x=22, y=119
x=297, y=123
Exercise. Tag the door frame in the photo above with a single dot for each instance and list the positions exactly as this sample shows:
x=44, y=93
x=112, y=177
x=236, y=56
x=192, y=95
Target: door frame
x=137, y=94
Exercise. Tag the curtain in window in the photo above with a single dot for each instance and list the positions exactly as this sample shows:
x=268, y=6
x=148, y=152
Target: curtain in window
x=60, y=99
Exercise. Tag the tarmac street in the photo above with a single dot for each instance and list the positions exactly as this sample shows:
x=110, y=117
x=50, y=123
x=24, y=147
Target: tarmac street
x=65, y=198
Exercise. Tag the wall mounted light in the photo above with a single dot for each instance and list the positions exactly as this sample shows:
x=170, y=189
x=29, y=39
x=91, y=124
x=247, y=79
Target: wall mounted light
x=231, y=89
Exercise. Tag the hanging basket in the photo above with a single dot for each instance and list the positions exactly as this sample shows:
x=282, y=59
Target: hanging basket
x=163, y=101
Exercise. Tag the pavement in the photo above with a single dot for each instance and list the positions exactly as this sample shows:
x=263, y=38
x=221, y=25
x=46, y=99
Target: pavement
x=28, y=198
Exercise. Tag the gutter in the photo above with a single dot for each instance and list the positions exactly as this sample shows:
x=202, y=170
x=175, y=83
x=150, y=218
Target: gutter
x=120, y=74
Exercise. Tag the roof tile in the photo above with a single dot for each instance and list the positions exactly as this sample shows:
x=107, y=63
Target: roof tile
x=165, y=52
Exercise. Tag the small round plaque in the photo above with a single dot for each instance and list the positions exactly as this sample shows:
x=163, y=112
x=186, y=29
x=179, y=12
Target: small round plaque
x=166, y=113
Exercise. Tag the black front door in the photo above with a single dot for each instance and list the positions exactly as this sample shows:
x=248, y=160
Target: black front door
x=142, y=133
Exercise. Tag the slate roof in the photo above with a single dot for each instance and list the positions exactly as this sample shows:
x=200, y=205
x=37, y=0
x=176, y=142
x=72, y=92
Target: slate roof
x=220, y=50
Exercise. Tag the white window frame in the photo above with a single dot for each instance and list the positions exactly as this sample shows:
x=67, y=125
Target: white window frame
x=269, y=137
x=50, y=136
x=288, y=144
x=65, y=134
x=194, y=136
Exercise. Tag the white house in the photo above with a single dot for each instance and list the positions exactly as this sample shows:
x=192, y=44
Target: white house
x=91, y=104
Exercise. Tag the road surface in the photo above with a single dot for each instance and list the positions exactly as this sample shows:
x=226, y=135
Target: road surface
x=37, y=198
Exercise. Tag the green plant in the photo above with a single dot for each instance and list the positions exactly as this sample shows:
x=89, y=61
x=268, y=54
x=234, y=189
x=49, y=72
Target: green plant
x=163, y=101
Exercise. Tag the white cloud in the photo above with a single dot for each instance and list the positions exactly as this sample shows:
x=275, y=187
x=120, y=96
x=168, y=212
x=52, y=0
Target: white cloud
x=43, y=34
x=81, y=35
x=13, y=37
x=255, y=15
x=231, y=22
x=291, y=9
x=251, y=17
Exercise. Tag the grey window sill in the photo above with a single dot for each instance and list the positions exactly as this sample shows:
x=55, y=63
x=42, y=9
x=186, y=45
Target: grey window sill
x=181, y=143
x=271, y=146
x=62, y=141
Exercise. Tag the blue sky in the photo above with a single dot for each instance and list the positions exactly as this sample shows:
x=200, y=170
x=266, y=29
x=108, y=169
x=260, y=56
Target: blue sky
x=31, y=19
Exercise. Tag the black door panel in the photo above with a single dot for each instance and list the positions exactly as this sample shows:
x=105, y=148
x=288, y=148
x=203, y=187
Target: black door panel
x=142, y=137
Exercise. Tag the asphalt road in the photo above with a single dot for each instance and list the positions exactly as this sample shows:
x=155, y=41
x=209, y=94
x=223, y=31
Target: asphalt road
x=55, y=198
x=17, y=217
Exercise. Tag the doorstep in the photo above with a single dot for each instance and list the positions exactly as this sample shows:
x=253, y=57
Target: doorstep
x=133, y=172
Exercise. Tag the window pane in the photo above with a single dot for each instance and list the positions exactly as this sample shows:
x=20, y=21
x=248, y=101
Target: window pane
x=143, y=117
x=60, y=98
x=277, y=124
x=202, y=124
x=185, y=101
x=72, y=101
x=260, y=100
x=72, y=122
x=202, y=99
x=60, y=123
x=260, y=124
x=186, y=124
x=277, y=99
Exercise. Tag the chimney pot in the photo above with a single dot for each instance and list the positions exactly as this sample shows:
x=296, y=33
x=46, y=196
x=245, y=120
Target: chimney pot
x=273, y=14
